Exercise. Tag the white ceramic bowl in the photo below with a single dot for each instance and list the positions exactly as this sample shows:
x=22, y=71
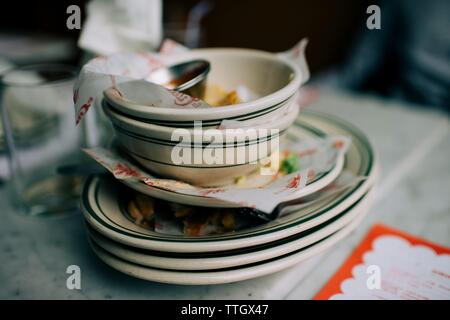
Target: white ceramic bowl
x=154, y=147
x=254, y=119
x=272, y=78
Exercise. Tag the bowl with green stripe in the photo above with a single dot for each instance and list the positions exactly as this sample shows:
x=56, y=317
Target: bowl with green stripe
x=200, y=156
x=272, y=79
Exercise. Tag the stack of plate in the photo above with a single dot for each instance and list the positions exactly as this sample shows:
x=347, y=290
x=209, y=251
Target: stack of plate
x=247, y=253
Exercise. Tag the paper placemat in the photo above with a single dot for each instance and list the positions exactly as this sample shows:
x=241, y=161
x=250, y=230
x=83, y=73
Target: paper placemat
x=392, y=265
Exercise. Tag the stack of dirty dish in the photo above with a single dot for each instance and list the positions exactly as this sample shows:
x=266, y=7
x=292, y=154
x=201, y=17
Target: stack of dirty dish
x=239, y=244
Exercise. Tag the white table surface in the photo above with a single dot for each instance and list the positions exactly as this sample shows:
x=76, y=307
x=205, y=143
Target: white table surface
x=413, y=147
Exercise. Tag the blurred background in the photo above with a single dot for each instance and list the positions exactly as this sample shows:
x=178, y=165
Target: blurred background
x=408, y=59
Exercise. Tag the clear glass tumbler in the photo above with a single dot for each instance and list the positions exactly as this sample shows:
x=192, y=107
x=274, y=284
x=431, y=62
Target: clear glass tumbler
x=39, y=136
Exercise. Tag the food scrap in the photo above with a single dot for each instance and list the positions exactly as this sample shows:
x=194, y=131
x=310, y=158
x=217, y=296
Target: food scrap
x=203, y=223
x=142, y=210
x=150, y=213
x=216, y=96
x=290, y=163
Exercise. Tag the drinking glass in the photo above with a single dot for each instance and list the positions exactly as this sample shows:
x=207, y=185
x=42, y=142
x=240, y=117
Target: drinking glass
x=39, y=136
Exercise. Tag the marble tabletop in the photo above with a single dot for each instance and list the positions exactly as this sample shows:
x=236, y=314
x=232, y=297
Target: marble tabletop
x=413, y=148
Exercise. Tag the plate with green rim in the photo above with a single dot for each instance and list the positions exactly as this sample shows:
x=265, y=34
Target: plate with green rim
x=301, y=129
x=102, y=207
x=233, y=258
x=229, y=275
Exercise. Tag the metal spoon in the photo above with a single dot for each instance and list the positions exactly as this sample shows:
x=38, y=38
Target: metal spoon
x=188, y=77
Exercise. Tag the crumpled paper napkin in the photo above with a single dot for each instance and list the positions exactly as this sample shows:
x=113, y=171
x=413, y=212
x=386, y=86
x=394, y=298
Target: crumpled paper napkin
x=121, y=25
x=315, y=156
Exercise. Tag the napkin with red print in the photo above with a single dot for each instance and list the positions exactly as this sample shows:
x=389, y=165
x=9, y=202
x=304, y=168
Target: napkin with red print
x=315, y=156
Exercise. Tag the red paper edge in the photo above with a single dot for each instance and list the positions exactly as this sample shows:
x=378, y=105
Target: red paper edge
x=345, y=271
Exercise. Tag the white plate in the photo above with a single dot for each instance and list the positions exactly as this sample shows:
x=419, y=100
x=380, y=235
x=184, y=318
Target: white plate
x=221, y=260
x=228, y=275
x=301, y=131
x=103, y=207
